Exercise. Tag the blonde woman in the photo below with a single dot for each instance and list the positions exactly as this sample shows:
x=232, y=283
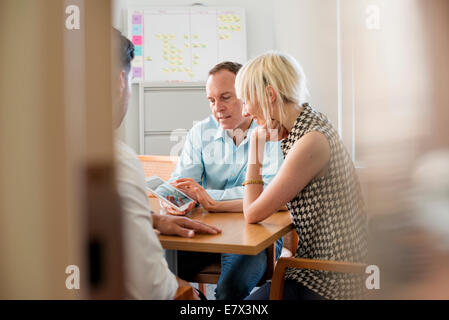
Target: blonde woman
x=317, y=180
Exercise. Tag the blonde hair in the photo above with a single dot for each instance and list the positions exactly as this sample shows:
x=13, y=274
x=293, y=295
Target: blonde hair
x=278, y=70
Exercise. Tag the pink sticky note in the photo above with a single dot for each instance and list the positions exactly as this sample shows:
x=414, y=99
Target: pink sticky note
x=137, y=72
x=137, y=19
x=137, y=40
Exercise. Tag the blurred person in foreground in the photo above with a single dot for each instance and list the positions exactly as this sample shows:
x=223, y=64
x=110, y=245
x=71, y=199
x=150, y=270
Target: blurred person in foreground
x=147, y=273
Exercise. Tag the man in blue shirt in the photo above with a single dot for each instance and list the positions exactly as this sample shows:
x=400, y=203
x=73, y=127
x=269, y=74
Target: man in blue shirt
x=211, y=170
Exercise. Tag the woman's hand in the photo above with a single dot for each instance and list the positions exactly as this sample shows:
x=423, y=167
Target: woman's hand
x=196, y=192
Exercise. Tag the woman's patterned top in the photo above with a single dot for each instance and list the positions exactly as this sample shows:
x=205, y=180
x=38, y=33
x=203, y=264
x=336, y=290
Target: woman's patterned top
x=328, y=215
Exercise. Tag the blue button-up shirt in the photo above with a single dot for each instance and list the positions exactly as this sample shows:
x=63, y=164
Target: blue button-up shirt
x=212, y=159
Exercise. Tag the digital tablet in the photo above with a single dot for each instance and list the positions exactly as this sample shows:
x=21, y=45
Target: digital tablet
x=166, y=192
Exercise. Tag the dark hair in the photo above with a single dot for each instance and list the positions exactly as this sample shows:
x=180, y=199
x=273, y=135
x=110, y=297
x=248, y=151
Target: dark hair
x=125, y=50
x=233, y=67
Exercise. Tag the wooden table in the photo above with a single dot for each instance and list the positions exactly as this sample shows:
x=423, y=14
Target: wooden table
x=237, y=236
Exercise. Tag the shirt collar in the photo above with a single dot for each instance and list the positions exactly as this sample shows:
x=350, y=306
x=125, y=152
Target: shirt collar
x=220, y=133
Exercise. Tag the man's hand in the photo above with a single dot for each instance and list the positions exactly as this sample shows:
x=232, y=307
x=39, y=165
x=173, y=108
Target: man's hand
x=196, y=192
x=175, y=212
x=181, y=226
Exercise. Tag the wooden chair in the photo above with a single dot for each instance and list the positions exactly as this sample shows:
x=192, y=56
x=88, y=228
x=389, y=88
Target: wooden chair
x=185, y=293
x=277, y=284
x=161, y=166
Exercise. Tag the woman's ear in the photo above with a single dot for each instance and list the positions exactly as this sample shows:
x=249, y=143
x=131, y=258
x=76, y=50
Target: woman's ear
x=271, y=94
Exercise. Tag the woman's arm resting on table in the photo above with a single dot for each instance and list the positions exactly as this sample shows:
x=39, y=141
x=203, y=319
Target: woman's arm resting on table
x=307, y=159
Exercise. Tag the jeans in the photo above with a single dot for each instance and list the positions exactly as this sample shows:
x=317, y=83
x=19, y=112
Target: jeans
x=239, y=273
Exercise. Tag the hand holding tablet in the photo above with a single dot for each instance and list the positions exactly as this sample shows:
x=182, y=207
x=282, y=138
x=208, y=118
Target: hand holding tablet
x=170, y=196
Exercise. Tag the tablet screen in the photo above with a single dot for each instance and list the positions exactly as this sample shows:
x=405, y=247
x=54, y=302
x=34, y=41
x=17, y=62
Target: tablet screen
x=167, y=192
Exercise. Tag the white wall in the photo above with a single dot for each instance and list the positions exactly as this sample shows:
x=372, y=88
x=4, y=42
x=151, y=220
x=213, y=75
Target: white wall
x=307, y=29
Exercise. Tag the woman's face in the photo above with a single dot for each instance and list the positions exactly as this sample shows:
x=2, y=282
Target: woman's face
x=254, y=110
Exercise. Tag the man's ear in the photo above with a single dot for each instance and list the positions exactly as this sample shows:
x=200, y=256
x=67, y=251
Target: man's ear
x=122, y=82
x=271, y=94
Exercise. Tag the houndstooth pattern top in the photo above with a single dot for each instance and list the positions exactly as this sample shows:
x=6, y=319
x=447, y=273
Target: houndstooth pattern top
x=328, y=215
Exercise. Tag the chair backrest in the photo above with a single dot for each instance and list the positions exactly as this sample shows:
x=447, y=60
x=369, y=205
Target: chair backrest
x=161, y=166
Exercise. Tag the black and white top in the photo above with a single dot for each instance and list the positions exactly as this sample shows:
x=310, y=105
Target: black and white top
x=328, y=215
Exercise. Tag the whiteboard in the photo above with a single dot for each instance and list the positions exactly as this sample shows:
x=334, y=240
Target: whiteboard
x=178, y=45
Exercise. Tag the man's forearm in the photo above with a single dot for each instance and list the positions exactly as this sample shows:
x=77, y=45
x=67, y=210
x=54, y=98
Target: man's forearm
x=228, y=206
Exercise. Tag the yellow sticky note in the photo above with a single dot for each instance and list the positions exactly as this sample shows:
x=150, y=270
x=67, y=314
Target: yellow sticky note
x=137, y=60
x=191, y=75
x=186, y=45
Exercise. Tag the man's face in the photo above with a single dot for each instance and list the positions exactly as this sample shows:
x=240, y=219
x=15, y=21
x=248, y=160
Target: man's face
x=225, y=105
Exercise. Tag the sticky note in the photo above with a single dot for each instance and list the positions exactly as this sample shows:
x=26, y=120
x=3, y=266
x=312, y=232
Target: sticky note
x=137, y=30
x=137, y=72
x=138, y=50
x=137, y=40
x=137, y=61
x=137, y=19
